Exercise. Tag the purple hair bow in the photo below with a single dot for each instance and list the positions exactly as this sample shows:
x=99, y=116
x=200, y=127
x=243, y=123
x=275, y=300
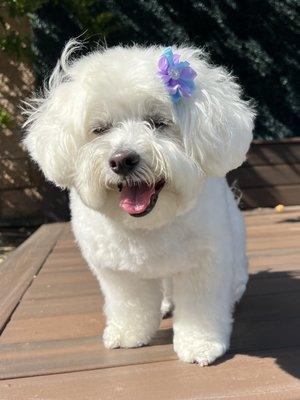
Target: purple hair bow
x=177, y=76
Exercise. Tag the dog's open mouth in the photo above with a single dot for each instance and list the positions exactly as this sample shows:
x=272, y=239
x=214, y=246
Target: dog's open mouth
x=140, y=198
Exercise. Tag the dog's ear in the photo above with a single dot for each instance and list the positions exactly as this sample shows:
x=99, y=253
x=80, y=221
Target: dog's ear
x=216, y=123
x=53, y=127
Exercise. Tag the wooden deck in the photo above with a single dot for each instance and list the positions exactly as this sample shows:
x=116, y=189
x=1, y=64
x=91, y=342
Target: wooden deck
x=51, y=321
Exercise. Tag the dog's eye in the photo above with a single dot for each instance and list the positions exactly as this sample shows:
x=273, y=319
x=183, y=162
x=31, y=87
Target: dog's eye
x=156, y=123
x=100, y=130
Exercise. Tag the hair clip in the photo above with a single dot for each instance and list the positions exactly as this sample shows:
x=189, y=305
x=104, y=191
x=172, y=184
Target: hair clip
x=177, y=76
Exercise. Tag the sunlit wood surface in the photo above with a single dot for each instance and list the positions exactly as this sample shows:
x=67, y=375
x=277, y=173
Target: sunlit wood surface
x=51, y=321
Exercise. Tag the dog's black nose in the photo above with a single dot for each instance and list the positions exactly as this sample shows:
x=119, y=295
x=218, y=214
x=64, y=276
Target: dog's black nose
x=124, y=162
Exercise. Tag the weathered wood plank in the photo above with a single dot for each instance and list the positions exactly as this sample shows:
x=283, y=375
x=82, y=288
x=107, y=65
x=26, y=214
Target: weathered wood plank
x=81, y=275
x=265, y=175
x=274, y=253
x=270, y=175
x=59, y=321
x=264, y=376
x=17, y=272
x=82, y=353
x=73, y=355
x=67, y=341
x=260, y=283
x=261, y=212
x=52, y=307
x=53, y=328
x=270, y=243
x=269, y=216
x=268, y=263
x=257, y=232
x=274, y=153
x=267, y=282
x=43, y=291
x=272, y=307
x=270, y=196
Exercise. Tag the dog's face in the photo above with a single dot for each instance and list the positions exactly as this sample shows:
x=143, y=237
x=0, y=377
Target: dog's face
x=108, y=128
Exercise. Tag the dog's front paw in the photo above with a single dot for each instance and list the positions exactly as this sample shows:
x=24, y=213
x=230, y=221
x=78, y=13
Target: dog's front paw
x=114, y=337
x=199, y=350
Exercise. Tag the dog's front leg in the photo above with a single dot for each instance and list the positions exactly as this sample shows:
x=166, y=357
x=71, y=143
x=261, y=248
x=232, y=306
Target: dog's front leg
x=132, y=308
x=202, y=316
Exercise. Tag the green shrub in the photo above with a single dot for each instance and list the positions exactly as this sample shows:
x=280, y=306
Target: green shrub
x=5, y=118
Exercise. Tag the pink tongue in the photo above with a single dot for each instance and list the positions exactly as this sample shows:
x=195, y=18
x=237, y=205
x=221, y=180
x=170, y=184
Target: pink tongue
x=135, y=199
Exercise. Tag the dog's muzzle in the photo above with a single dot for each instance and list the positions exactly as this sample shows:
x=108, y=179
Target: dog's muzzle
x=138, y=198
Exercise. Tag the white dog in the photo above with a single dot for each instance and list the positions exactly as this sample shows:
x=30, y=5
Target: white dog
x=151, y=133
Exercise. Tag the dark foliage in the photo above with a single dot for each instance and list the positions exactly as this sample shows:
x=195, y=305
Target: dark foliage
x=255, y=39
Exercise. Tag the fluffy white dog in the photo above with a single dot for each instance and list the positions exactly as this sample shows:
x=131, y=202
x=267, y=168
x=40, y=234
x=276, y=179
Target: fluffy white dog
x=145, y=132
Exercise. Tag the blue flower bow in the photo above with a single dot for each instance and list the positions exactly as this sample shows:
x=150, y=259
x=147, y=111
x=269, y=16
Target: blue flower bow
x=177, y=76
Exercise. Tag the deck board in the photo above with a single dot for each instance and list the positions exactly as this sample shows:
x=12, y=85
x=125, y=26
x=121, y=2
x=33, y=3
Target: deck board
x=18, y=271
x=243, y=377
x=51, y=346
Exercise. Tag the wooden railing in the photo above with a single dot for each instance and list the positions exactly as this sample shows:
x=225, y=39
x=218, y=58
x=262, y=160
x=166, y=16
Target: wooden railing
x=271, y=174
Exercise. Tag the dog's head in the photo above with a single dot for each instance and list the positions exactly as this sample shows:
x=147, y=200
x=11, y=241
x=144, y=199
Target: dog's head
x=107, y=126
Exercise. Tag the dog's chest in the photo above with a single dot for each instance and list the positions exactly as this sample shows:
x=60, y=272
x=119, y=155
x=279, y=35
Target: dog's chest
x=148, y=254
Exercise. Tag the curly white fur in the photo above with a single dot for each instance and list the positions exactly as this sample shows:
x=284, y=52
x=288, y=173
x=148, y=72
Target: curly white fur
x=195, y=235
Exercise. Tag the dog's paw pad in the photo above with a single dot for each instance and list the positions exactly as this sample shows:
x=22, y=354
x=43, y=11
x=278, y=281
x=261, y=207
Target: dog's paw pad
x=114, y=337
x=201, y=351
